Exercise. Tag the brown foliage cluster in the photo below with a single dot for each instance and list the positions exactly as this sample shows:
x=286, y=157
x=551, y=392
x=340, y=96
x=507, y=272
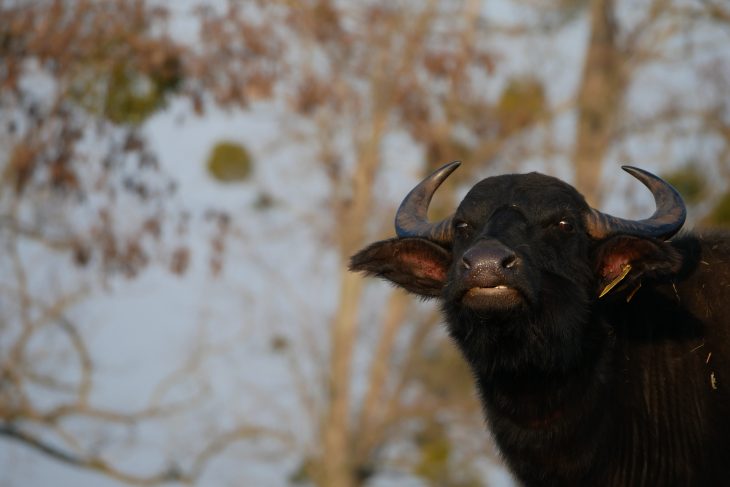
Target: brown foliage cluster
x=77, y=80
x=65, y=56
x=354, y=59
x=234, y=63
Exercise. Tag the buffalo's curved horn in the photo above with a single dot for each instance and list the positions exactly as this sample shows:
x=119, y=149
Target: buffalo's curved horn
x=411, y=219
x=666, y=221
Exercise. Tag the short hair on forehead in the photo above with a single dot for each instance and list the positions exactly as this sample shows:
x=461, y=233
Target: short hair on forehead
x=533, y=190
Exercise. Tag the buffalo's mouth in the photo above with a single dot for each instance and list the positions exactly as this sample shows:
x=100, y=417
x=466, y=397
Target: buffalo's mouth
x=497, y=297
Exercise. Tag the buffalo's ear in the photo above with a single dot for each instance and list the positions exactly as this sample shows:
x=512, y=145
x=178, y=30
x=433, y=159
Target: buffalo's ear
x=415, y=264
x=623, y=261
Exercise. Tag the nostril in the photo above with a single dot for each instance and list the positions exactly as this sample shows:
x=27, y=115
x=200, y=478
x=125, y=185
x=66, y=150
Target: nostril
x=509, y=261
x=465, y=262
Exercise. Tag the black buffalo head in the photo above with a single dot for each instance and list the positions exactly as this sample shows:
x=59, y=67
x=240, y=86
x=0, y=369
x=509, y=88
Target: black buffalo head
x=521, y=263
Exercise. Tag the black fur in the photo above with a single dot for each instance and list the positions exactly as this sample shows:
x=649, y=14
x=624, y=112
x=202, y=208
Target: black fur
x=629, y=389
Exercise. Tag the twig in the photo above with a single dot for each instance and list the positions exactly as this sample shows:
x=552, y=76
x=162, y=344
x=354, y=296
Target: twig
x=92, y=463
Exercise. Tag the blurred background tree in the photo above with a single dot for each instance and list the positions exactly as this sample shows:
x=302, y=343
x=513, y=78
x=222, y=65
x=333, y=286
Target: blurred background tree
x=82, y=201
x=361, y=99
x=78, y=80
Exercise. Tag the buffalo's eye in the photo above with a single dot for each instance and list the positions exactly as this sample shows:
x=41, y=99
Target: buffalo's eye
x=462, y=227
x=565, y=225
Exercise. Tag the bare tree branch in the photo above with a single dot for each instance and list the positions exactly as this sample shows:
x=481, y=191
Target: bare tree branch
x=92, y=463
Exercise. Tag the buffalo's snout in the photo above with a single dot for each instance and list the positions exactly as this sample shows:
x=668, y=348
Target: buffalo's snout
x=488, y=264
x=494, y=257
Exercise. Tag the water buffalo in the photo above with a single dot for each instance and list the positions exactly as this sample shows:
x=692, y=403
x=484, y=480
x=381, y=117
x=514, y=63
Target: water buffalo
x=600, y=346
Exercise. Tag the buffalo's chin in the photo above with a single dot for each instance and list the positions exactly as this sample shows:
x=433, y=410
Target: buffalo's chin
x=498, y=298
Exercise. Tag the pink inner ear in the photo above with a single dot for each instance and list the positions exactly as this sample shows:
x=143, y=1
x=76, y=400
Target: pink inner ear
x=422, y=266
x=613, y=264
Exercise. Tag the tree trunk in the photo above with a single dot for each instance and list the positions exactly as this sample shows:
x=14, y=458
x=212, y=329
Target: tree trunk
x=337, y=462
x=372, y=413
x=600, y=98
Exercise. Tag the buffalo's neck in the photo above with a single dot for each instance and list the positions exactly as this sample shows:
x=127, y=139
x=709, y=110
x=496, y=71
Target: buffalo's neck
x=537, y=398
x=547, y=416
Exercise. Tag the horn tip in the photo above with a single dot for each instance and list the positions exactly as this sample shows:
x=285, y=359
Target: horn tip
x=452, y=165
x=444, y=171
x=634, y=170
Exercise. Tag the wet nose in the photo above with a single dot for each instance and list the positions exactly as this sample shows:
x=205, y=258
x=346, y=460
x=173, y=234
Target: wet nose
x=490, y=257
